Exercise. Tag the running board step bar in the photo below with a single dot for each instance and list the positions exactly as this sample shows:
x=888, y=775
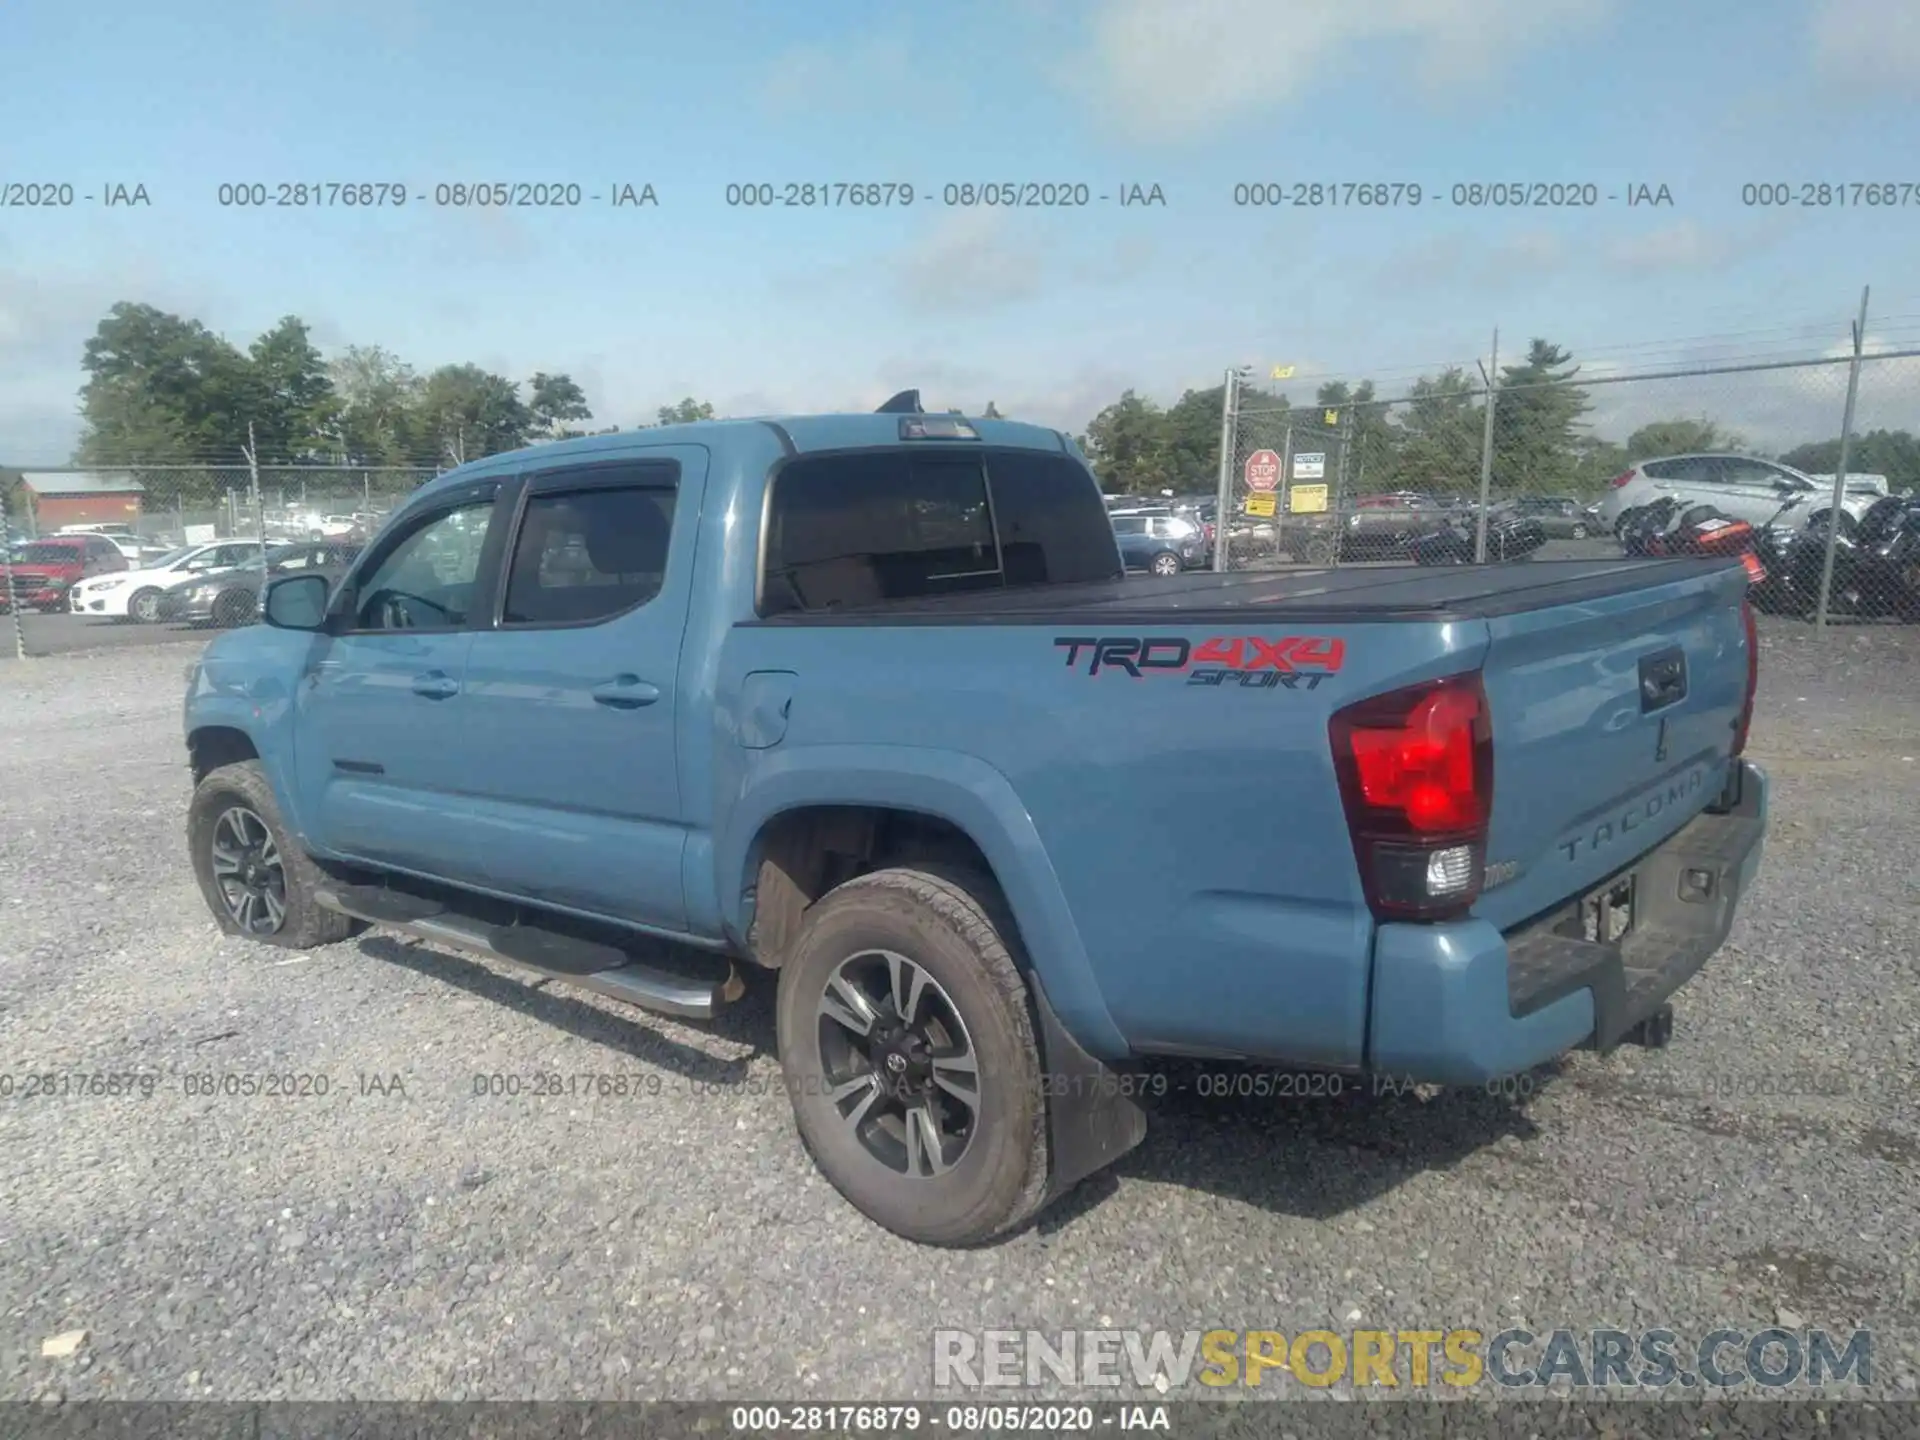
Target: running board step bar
x=603, y=969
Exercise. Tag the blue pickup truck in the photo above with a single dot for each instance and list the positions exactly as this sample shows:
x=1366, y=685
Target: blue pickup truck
x=868, y=702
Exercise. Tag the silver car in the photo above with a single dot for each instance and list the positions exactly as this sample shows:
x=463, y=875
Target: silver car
x=1742, y=486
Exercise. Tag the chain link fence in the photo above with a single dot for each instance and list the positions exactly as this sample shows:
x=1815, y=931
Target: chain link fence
x=1597, y=465
x=166, y=506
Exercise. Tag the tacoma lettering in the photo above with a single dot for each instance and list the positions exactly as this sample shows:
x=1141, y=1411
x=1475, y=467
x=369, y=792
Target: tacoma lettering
x=1633, y=818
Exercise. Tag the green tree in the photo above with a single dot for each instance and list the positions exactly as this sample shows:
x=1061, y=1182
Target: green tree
x=377, y=419
x=1892, y=453
x=1596, y=461
x=1440, y=432
x=1128, y=445
x=1679, y=437
x=290, y=397
x=1191, y=437
x=1536, y=422
x=554, y=401
x=469, y=412
x=161, y=389
x=685, y=413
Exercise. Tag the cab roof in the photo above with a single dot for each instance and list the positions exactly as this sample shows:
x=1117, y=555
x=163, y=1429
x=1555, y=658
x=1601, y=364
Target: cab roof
x=803, y=434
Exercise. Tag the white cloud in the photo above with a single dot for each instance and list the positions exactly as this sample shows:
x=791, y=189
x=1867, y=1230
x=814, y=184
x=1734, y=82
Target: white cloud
x=1867, y=42
x=886, y=73
x=968, y=261
x=1682, y=246
x=1179, y=69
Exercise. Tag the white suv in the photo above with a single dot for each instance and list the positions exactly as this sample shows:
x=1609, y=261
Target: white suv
x=1745, y=488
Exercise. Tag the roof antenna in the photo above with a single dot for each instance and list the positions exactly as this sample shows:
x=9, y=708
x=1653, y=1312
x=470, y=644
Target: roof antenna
x=907, y=402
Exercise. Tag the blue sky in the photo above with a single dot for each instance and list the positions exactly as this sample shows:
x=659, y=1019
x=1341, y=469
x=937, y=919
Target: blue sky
x=1050, y=313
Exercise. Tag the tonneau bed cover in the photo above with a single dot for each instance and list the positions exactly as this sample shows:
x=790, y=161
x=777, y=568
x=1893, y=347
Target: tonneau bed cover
x=1348, y=593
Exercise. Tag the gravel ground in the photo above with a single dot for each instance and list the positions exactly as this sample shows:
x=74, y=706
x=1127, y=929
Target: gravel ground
x=401, y=1238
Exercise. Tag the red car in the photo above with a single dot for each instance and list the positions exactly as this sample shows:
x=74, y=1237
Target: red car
x=42, y=571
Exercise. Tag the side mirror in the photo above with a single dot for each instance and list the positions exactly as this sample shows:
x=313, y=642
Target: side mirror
x=296, y=602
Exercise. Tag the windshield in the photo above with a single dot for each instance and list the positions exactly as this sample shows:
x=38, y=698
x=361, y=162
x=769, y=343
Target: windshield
x=47, y=553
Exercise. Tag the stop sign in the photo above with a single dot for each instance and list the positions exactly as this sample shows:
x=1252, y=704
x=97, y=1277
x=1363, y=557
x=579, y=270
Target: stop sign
x=1263, y=470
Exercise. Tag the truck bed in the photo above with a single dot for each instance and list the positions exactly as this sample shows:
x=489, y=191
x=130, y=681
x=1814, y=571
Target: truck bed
x=1346, y=594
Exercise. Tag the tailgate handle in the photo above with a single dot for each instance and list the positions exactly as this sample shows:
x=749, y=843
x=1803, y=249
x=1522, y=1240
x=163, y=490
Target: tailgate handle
x=1663, y=680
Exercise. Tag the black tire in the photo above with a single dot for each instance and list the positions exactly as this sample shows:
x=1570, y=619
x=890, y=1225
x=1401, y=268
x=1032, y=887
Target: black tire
x=143, y=606
x=943, y=922
x=243, y=787
x=234, y=608
x=1819, y=520
x=1165, y=563
x=1579, y=533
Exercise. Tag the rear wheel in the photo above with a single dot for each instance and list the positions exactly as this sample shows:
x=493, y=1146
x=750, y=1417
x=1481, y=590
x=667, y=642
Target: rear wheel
x=907, y=1042
x=1579, y=532
x=233, y=608
x=143, y=606
x=1820, y=519
x=254, y=876
x=1165, y=563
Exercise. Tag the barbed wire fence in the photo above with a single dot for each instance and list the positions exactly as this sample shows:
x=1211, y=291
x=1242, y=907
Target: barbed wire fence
x=1470, y=468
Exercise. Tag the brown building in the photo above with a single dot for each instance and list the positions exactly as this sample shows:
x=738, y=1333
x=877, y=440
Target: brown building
x=78, y=497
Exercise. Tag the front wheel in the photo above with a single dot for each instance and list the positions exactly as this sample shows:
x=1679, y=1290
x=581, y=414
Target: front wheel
x=143, y=606
x=255, y=878
x=907, y=1042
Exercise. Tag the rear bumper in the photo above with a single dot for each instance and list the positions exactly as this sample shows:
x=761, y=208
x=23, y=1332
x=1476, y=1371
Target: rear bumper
x=1464, y=1004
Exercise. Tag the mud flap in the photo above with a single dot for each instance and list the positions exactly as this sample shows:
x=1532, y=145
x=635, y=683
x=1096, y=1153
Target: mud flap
x=1092, y=1117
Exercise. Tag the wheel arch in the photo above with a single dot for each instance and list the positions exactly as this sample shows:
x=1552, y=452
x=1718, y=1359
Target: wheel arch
x=819, y=816
x=211, y=746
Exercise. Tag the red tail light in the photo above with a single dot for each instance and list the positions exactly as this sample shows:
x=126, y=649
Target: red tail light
x=1617, y=481
x=1416, y=779
x=1745, y=722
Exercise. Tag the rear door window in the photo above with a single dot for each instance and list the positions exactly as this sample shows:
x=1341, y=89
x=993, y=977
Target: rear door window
x=589, y=554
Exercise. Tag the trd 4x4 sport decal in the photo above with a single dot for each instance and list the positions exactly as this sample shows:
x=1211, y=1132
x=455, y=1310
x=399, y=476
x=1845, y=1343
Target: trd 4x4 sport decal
x=1293, y=662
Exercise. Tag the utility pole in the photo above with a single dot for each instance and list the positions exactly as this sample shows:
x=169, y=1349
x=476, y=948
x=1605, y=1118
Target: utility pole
x=1222, y=522
x=1486, y=453
x=1834, y=511
x=253, y=492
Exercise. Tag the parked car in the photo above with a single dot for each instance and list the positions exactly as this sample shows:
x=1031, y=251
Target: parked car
x=1743, y=487
x=868, y=702
x=1560, y=517
x=40, y=572
x=228, y=598
x=1456, y=540
x=1380, y=527
x=137, y=595
x=1161, y=543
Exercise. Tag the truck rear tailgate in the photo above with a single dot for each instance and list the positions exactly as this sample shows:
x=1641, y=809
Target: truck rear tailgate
x=1614, y=721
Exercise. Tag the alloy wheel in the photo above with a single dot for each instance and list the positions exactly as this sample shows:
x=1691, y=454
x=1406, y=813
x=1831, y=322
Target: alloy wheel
x=898, y=1064
x=248, y=871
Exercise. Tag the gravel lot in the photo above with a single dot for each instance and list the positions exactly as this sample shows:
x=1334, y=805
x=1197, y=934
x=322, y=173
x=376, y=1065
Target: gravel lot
x=427, y=1243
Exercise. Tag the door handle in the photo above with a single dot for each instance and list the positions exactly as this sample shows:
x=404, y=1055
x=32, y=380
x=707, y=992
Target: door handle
x=626, y=692
x=435, y=685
